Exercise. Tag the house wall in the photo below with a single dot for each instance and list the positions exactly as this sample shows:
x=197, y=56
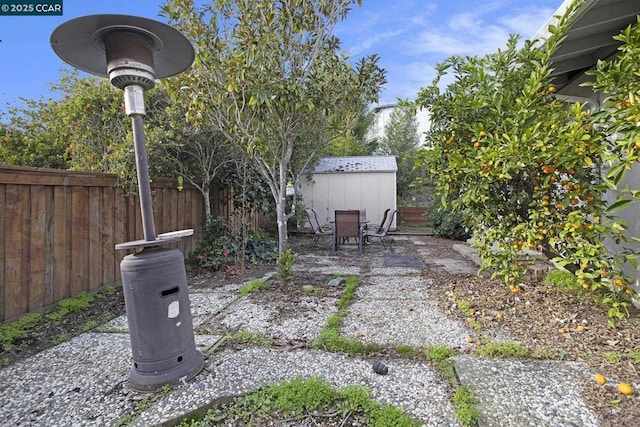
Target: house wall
x=630, y=216
x=373, y=191
x=573, y=92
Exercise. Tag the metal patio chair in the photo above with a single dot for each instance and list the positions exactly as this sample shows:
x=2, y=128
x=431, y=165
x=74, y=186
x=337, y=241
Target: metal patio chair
x=382, y=234
x=318, y=230
x=348, y=224
x=378, y=227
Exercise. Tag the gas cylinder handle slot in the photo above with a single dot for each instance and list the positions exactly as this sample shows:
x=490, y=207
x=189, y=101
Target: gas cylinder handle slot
x=171, y=291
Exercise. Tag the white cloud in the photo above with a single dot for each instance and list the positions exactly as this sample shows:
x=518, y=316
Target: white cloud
x=412, y=35
x=528, y=22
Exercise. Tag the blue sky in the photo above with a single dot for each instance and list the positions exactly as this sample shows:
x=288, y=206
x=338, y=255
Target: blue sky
x=410, y=36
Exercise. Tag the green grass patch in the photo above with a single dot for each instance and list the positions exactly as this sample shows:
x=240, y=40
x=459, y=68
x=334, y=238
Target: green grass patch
x=252, y=286
x=299, y=396
x=464, y=304
x=60, y=338
x=440, y=358
x=465, y=404
x=613, y=357
x=563, y=279
x=80, y=302
x=10, y=332
x=21, y=328
x=408, y=351
x=252, y=338
x=329, y=337
x=501, y=349
x=351, y=284
x=89, y=325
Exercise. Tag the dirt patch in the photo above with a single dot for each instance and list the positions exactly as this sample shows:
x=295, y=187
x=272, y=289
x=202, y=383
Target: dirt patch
x=51, y=332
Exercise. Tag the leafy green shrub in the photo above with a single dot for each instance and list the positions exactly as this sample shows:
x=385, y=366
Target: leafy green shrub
x=261, y=248
x=216, y=249
x=562, y=279
x=285, y=265
x=445, y=223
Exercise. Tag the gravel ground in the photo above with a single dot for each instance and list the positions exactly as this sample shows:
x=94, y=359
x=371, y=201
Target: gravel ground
x=84, y=381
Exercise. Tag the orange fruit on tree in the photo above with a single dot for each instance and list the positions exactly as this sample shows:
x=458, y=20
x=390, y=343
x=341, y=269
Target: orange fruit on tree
x=625, y=388
x=476, y=144
x=551, y=89
x=600, y=379
x=482, y=134
x=638, y=144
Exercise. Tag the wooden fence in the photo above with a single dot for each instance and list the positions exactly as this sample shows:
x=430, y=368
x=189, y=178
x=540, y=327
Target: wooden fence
x=412, y=216
x=58, y=231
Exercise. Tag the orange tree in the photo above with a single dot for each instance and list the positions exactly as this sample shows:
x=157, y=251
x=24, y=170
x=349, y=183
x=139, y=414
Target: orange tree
x=619, y=119
x=523, y=167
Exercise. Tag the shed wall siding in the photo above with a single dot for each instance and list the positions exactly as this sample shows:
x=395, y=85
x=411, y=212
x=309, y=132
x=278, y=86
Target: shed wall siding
x=373, y=191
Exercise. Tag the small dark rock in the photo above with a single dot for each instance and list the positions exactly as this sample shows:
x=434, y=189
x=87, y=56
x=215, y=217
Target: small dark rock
x=380, y=368
x=337, y=281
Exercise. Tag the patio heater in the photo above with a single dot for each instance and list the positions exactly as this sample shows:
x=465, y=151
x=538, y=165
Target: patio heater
x=132, y=52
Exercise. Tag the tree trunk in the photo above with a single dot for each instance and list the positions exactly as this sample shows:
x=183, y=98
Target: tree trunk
x=207, y=202
x=281, y=215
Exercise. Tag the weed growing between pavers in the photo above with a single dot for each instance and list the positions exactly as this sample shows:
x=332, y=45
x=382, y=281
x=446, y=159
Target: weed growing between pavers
x=465, y=405
x=306, y=398
x=247, y=337
x=329, y=337
x=501, y=349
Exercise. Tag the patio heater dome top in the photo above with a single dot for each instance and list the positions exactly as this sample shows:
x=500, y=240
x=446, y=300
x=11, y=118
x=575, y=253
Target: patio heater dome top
x=127, y=49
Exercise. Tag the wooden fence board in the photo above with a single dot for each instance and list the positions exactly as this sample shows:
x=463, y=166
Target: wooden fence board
x=36, y=258
x=95, y=262
x=119, y=228
x=79, y=240
x=107, y=234
x=3, y=245
x=16, y=290
x=49, y=264
x=62, y=242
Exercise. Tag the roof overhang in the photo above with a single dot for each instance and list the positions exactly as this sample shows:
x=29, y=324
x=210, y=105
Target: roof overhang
x=590, y=37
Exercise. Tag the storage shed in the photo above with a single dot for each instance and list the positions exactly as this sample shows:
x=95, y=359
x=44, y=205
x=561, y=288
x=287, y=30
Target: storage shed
x=355, y=182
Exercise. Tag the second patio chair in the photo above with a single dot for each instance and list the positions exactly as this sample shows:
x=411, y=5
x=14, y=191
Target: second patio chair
x=382, y=234
x=318, y=230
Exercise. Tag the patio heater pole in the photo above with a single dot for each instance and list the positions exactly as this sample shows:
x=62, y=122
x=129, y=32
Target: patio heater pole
x=132, y=92
x=133, y=52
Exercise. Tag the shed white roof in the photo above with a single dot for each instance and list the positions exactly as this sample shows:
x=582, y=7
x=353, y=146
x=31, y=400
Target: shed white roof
x=356, y=164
